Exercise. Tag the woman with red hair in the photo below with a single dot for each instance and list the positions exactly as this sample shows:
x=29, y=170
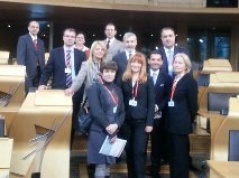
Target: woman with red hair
x=138, y=91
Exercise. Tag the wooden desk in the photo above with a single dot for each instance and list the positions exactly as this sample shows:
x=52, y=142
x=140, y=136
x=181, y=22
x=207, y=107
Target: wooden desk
x=223, y=169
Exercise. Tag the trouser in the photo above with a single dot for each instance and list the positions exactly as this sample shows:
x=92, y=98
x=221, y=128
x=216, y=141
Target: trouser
x=76, y=100
x=31, y=83
x=179, y=154
x=137, y=138
x=158, y=142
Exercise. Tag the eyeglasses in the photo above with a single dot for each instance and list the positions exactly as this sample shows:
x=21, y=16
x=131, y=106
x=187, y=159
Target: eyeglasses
x=80, y=37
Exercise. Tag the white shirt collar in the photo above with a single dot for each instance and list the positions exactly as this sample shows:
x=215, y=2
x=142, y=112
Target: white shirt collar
x=153, y=72
x=168, y=49
x=33, y=37
x=68, y=48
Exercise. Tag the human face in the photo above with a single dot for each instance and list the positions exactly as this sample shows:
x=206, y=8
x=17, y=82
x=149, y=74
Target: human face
x=33, y=28
x=130, y=43
x=168, y=38
x=108, y=75
x=69, y=38
x=155, y=62
x=80, y=39
x=135, y=66
x=98, y=52
x=179, y=65
x=110, y=31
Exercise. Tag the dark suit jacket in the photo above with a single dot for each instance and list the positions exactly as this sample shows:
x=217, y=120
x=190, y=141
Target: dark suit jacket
x=145, y=101
x=99, y=106
x=55, y=67
x=28, y=56
x=122, y=61
x=162, y=90
x=180, y=117
x=177, y=49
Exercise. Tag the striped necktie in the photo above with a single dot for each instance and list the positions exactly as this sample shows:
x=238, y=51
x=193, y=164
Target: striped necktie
x=68, y=68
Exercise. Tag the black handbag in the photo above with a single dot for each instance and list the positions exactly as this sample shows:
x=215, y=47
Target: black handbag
x=84, y=120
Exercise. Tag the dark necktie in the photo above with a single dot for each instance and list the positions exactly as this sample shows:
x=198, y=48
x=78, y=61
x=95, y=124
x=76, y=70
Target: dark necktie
x=130, y=54
x=68, y=68
x=108, y=44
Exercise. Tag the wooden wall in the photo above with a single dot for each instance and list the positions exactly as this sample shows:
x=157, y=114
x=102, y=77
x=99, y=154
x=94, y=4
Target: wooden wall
x=193, y=6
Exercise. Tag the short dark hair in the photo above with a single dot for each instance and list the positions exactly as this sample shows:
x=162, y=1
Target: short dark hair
x=166, y=28
x=69, y=29
x=108, y=64
x=155, y=52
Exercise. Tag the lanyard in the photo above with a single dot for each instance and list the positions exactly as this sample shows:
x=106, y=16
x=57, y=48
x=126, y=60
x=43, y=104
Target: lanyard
x=173, y=90
x=135, y=90
x=113, y=97
x=174, y=87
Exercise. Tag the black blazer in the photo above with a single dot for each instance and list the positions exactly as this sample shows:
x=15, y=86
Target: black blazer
x=177, y=50
x=145, y=101
x=55, y=67
x=28, y=56
x=180, y=117
x=98, y=106
x=162, y=90
x=122, y=61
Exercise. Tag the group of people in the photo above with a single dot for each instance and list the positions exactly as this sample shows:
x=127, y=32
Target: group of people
x=128, y=95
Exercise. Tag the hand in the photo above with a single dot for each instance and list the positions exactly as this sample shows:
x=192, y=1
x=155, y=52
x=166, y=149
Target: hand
x=112, y=128
x=69, y=92
x=112, y=140
x=42, y=87
x=148, y=129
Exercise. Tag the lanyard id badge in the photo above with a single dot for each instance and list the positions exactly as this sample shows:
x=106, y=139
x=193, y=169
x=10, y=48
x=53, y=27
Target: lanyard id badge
x=68, y=70
x=133, y=101
x=171, y=103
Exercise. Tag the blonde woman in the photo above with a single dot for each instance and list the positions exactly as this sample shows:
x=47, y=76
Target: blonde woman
x=90, y=69
x=180, y=114
x=138, y=92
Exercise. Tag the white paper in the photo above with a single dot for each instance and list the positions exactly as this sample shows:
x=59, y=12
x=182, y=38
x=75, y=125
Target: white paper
x=112, y=149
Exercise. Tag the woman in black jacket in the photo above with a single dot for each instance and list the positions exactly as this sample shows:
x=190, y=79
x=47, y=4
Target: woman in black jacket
x=180, y=114
x=138, y=91
x=107, y=111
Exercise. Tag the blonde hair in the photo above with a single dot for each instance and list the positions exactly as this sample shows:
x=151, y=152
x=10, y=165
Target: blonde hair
x=140, y=58
x=186, y=61
x=93, y=46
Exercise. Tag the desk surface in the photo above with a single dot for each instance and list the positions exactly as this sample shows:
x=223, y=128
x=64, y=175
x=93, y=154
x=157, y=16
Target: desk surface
x=224, y=169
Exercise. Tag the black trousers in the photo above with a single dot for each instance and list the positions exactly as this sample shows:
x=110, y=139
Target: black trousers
x=32, y=83
x=159, y=146
x=76, y=100
x=179, y=156
x=137, y=138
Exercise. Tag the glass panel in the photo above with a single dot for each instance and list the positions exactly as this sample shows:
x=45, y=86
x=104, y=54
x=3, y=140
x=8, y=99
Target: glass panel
x=222, y=47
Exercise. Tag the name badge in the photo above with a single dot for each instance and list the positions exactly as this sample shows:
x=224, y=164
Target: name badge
x=115, y=109
x=68, y=70
x=171, y=103
x=133, y=102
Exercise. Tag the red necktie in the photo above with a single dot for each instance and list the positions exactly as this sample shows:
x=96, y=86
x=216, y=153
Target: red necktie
x=35, y=44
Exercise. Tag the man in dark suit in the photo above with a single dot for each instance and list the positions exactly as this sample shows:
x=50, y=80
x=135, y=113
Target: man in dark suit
x=30, y=53
x=169, y=50
x=162, y=85
x=130, y=42
x=113, y=45
x=62, y=72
